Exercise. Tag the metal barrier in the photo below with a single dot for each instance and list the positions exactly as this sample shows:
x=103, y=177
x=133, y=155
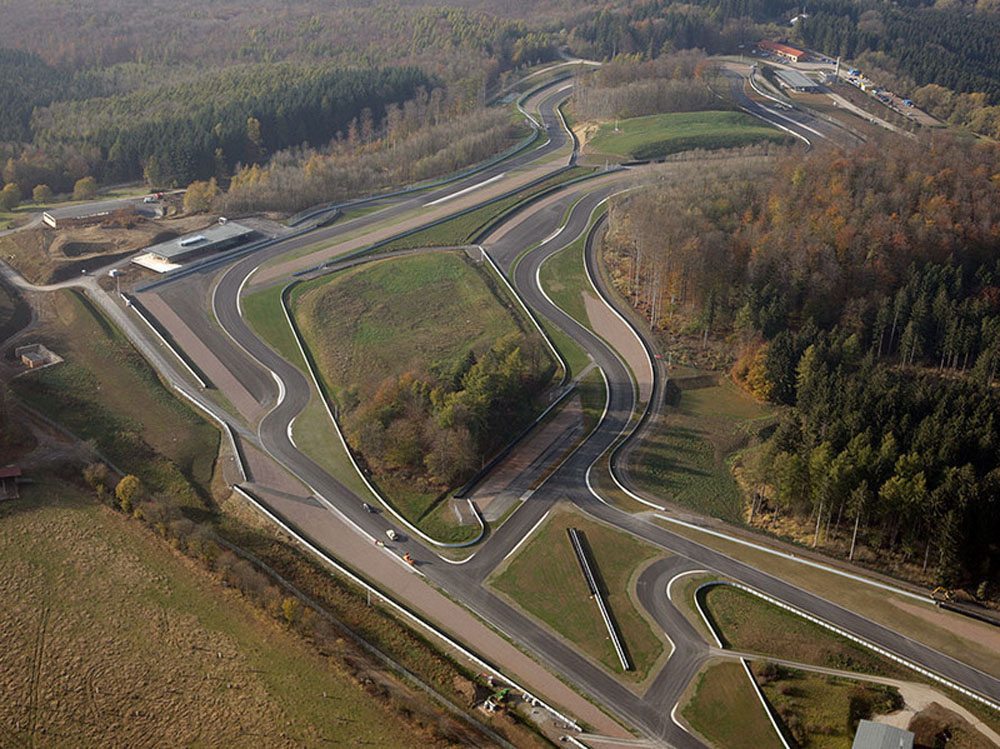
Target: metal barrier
x=588, y=574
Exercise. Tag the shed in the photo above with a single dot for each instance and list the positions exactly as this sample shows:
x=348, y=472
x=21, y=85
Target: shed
x=8, y=482
x=871, y=735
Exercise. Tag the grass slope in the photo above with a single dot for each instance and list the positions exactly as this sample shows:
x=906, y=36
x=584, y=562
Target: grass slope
x=544, y=578
x=683, y=458
x=110, y=639
x=749, y=624
x=659, y=135
x=105, y=391
x=726, y=712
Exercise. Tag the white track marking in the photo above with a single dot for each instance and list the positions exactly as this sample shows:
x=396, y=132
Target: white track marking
x=476, y=186
x=527, y=535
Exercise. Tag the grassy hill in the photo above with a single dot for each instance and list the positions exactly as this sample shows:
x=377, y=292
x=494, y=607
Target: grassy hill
x=660, y=135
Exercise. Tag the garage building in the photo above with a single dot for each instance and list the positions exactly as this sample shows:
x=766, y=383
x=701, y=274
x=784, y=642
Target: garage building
x=796, y=81
x=170, y=254
x=783, y=50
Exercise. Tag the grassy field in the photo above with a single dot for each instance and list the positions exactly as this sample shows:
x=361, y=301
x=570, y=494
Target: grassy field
x=463, y=229
x=751, y=625
x=105, y=391
x=394, y=316
x=374, y=321
x=110, y=638
x=262, y=311
x=683, y=458
x=663, y=134
x=544, y=578
x=822, y=711
x=726, y=712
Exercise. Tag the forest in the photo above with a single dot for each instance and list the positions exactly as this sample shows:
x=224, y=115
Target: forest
x=862, y=291
x=440, y=428
x=629, y=86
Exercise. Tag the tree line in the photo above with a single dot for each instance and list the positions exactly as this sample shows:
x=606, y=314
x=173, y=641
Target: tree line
x=629, y=86
x=862, y=290
x=417, y=141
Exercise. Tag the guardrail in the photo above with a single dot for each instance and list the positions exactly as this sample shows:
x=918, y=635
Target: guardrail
x=595, y=592
x=136, y=306
x=844, y=633
x=399, y=608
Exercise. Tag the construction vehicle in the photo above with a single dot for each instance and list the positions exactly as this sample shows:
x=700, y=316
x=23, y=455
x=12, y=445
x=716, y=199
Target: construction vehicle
x=496, y=700
x=941, y=594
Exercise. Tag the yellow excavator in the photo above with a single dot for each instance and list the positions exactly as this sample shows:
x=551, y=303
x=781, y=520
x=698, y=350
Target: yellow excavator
x=941, y=594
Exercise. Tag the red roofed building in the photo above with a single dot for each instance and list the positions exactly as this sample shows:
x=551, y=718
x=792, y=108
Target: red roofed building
x=783, y=50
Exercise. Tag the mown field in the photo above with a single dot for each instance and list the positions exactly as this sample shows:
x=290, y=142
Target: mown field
x=544, y=579
x=110, y=639
x=660, y=135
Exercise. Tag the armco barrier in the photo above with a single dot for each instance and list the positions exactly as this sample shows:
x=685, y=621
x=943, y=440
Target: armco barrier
x=853, y=638
x=595, y=591
x=400, y=609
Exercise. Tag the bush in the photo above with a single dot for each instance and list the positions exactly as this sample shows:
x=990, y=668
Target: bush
x=10, y=196
x=41, y=194
x=128, y=492
x=85, y=189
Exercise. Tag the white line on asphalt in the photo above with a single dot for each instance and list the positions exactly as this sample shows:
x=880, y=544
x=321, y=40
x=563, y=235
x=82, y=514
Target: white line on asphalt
x=454, y=195
x=552, y=236
x=239, y=291
x=527, y=535
x=289, y=430
x=670, y=585
x=281, y=388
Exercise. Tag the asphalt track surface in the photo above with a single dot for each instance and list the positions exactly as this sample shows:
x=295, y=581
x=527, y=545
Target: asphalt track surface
x=254, y=362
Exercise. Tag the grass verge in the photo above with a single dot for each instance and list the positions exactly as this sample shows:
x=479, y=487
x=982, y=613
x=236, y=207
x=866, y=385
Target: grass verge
x=263, y=312
x=751, y=625
x=659, y=135
x=725, y=711
x=545, y=580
